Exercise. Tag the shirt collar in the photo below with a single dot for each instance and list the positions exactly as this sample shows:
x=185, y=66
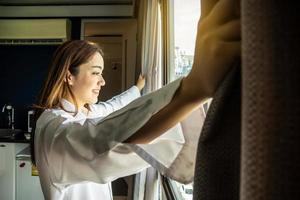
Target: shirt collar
x=67, y=105
x=70, y=107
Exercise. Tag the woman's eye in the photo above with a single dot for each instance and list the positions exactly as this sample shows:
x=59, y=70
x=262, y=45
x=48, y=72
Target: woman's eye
x=96, y=73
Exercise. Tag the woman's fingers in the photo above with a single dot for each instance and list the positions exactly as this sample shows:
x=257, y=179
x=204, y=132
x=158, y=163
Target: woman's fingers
x=228, y=55
x=211, y=65
x=141, y=82
x=215, y=53
x=221, y=20
x=224, y=11
x=229, y=52
x=217, y=46
x=211, y=41
x=206, y=7
x=231, y=31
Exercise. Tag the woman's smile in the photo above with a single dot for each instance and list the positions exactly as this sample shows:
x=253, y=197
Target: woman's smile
x=96, y=91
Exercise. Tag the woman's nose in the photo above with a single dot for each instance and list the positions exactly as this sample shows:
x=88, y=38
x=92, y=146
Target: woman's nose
x=102, y=81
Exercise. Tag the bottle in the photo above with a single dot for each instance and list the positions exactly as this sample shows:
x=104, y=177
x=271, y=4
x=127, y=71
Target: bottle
x=9, y=116
x=30, y=120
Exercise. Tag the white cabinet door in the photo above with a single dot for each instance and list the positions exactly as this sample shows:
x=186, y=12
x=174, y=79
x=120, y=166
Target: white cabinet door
x=8, y=153
x=7, y=183
x=28, y=187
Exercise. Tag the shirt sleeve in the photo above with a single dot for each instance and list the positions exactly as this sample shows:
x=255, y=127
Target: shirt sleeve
x=117, y=102
x=173, y=154
x=95, y=150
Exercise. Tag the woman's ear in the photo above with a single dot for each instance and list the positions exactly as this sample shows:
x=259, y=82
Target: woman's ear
x=69, y=78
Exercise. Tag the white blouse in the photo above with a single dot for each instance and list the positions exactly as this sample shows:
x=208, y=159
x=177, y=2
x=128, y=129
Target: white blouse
x=78, y=156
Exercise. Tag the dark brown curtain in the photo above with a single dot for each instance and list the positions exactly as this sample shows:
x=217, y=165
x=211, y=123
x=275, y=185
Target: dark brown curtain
x=271, y=100
x=217, y=171
x=249, y=147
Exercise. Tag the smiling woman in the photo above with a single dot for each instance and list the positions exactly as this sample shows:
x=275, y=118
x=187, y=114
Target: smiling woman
x=71, y=90
x=80, y=146
x=65, y=67
x=87, y=84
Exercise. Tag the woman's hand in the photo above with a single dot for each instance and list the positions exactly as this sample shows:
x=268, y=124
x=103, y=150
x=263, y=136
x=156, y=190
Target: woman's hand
x=140, y=83
x=217, y=47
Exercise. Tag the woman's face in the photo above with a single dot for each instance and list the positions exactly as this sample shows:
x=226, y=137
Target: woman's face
x=87, y=84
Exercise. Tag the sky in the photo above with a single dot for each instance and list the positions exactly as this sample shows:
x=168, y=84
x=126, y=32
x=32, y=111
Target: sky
x=186, y=16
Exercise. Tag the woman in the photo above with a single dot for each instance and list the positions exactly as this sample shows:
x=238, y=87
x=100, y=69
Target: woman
x=80, y=146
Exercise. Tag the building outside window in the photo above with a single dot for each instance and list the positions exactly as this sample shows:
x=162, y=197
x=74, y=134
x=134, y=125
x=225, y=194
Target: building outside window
x=186, y=17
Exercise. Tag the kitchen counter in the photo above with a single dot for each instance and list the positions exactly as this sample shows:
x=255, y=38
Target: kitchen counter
x=16, y=139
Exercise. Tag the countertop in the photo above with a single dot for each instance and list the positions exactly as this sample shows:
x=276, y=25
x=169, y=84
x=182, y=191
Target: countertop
x=16, y=139
x=24, y=154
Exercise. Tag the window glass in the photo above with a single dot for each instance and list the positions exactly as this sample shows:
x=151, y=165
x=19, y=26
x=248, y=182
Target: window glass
x=185, y=192
x=186, y=16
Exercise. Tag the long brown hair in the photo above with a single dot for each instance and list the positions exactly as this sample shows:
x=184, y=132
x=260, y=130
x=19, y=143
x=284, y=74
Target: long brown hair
x=67, y=57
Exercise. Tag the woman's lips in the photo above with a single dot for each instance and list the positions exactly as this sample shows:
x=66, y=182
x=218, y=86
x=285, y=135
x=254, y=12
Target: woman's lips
x=96, y=91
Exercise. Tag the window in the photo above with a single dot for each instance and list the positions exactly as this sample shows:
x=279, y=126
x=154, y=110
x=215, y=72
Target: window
x=186, y=17
x=186, y=191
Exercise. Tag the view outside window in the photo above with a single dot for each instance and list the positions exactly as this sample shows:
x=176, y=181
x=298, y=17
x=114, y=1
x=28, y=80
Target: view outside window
x=186, y=16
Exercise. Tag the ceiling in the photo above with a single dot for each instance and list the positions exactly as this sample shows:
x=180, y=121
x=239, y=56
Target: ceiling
x=64, y=2
x=66, y=8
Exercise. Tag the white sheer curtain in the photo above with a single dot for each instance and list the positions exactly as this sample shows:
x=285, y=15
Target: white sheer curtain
x=151, y=58
x=147, y=183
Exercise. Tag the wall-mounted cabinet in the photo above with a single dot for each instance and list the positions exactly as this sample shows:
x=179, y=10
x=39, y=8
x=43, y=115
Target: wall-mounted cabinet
x=73, y=8
x=117, y=38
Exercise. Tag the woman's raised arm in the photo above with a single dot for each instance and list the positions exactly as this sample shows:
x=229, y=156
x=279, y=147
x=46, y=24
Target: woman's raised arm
x=217, y=47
